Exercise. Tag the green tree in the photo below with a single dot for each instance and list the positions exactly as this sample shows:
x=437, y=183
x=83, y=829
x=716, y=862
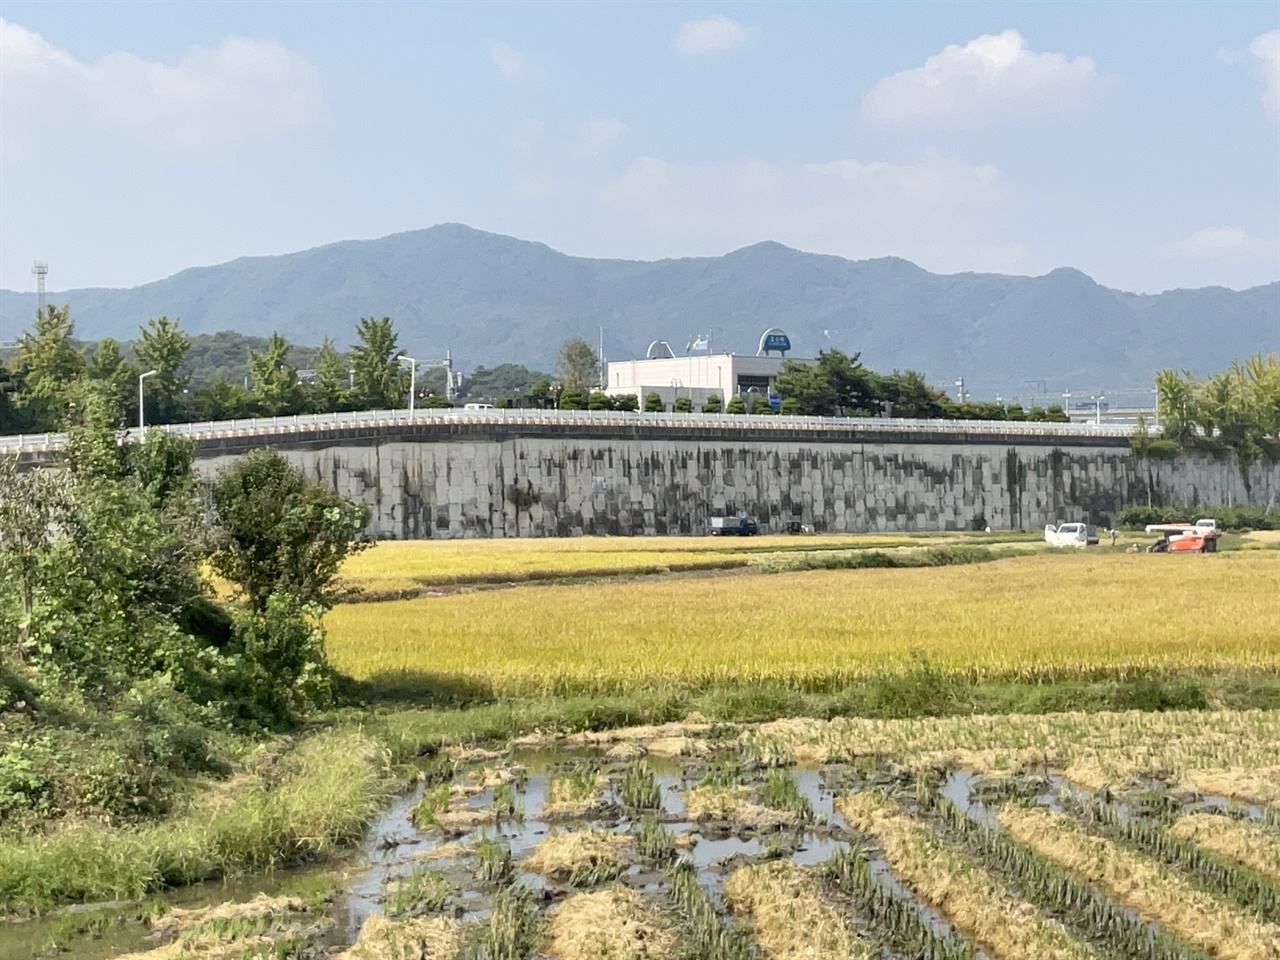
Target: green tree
x=279, y=541
x=857, y=388
x=118, y=378
x=578, y=365
x=712, y=404
x=381, y=382
x=35, y=514
x=327, y=392
x=599, y=400
x=1176, y=404
x=506, y=381
x=540, y=394
x=570, y=399
x=278, y=533
x=50, y=362
x=653, y=402
x=219, y=399
x=683, y=405
x=1260, y=392
x=275, y=380
x=627, y=402
x=912, y=397
x=100, y=591
x=163, y=348
x=808, y=386
x=13, y=417
x=1054, y=414
x=735, y=405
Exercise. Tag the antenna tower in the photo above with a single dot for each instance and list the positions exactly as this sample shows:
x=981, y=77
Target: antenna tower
x=41, y=270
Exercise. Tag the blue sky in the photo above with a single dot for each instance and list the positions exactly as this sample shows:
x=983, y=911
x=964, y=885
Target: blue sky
x=1137, y=142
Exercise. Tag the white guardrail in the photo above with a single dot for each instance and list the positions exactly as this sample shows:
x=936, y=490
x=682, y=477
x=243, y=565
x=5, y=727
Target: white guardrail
x=373, y=419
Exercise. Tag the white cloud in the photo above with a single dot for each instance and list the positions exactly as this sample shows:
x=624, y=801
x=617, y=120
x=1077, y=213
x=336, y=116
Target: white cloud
x=510, y=61
x=241, y=89
x=1266, y=48
x=599, y=135
x=1222, y=244
x=713, y=35
x=992, y=78
x=940, y=212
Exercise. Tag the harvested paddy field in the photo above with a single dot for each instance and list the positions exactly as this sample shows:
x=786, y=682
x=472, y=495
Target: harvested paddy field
x=978, y=837
x=1040, y=618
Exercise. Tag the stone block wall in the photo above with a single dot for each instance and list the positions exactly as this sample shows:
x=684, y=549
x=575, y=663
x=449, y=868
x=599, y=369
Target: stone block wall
x=498, y=482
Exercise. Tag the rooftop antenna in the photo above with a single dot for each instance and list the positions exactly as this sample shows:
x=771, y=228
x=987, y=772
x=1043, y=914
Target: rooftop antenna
x=41, y=270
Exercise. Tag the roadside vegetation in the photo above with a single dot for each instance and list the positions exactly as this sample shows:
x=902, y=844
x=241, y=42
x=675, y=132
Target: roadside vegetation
x=123, y=684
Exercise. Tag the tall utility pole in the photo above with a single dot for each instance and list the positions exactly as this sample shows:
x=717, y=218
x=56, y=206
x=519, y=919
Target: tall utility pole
x=603, y=373
x=41, y=270
x=413, y=379
x=142, y=412
x=960, y=391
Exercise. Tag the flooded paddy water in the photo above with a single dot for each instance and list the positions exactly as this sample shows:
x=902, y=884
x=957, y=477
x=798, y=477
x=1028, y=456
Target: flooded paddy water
x=685, y=846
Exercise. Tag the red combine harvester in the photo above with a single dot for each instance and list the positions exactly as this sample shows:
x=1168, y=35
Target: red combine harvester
x=1184, y=537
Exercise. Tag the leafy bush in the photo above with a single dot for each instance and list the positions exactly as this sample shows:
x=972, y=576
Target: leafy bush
x=1228, y=518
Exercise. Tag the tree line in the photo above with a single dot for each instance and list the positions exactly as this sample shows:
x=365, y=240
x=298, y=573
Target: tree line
x=1237, y=409
x=38, y=380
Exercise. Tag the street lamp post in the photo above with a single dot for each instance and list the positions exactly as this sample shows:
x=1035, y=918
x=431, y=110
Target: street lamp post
x=142, y=414
x=413, y=379
x=1066, y=404
x=1097, y=414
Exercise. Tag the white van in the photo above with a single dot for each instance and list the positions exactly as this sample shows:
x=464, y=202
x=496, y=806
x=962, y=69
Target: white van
x=478, y=406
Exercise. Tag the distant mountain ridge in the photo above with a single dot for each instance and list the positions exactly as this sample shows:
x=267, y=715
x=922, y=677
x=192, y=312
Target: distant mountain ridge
x=490, y=299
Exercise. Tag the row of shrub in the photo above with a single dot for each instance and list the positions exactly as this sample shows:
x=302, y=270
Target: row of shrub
x=1229, y=518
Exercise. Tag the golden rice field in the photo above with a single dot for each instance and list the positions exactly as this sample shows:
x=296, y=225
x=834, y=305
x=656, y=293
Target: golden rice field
x=1042, y=616
x=401, y=565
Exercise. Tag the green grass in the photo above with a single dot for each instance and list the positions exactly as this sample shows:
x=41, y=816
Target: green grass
x=314, y=799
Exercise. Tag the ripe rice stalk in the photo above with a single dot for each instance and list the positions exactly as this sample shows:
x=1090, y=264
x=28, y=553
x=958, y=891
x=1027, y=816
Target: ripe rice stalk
x=613, y=922
x=954, y=884
x=737, y=805
x=422, y=938
x=1233, y=839
x=808, y=631
x=789, y=916
x=1158, y=893
x=581, y=857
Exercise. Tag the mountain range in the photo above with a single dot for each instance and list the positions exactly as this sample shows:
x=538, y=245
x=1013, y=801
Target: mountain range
x=491, y=299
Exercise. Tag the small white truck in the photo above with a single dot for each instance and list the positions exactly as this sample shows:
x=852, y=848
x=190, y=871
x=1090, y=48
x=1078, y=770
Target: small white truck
x=1069, y=535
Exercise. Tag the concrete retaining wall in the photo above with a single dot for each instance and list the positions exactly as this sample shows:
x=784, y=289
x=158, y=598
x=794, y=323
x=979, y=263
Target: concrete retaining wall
x=475, y=480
